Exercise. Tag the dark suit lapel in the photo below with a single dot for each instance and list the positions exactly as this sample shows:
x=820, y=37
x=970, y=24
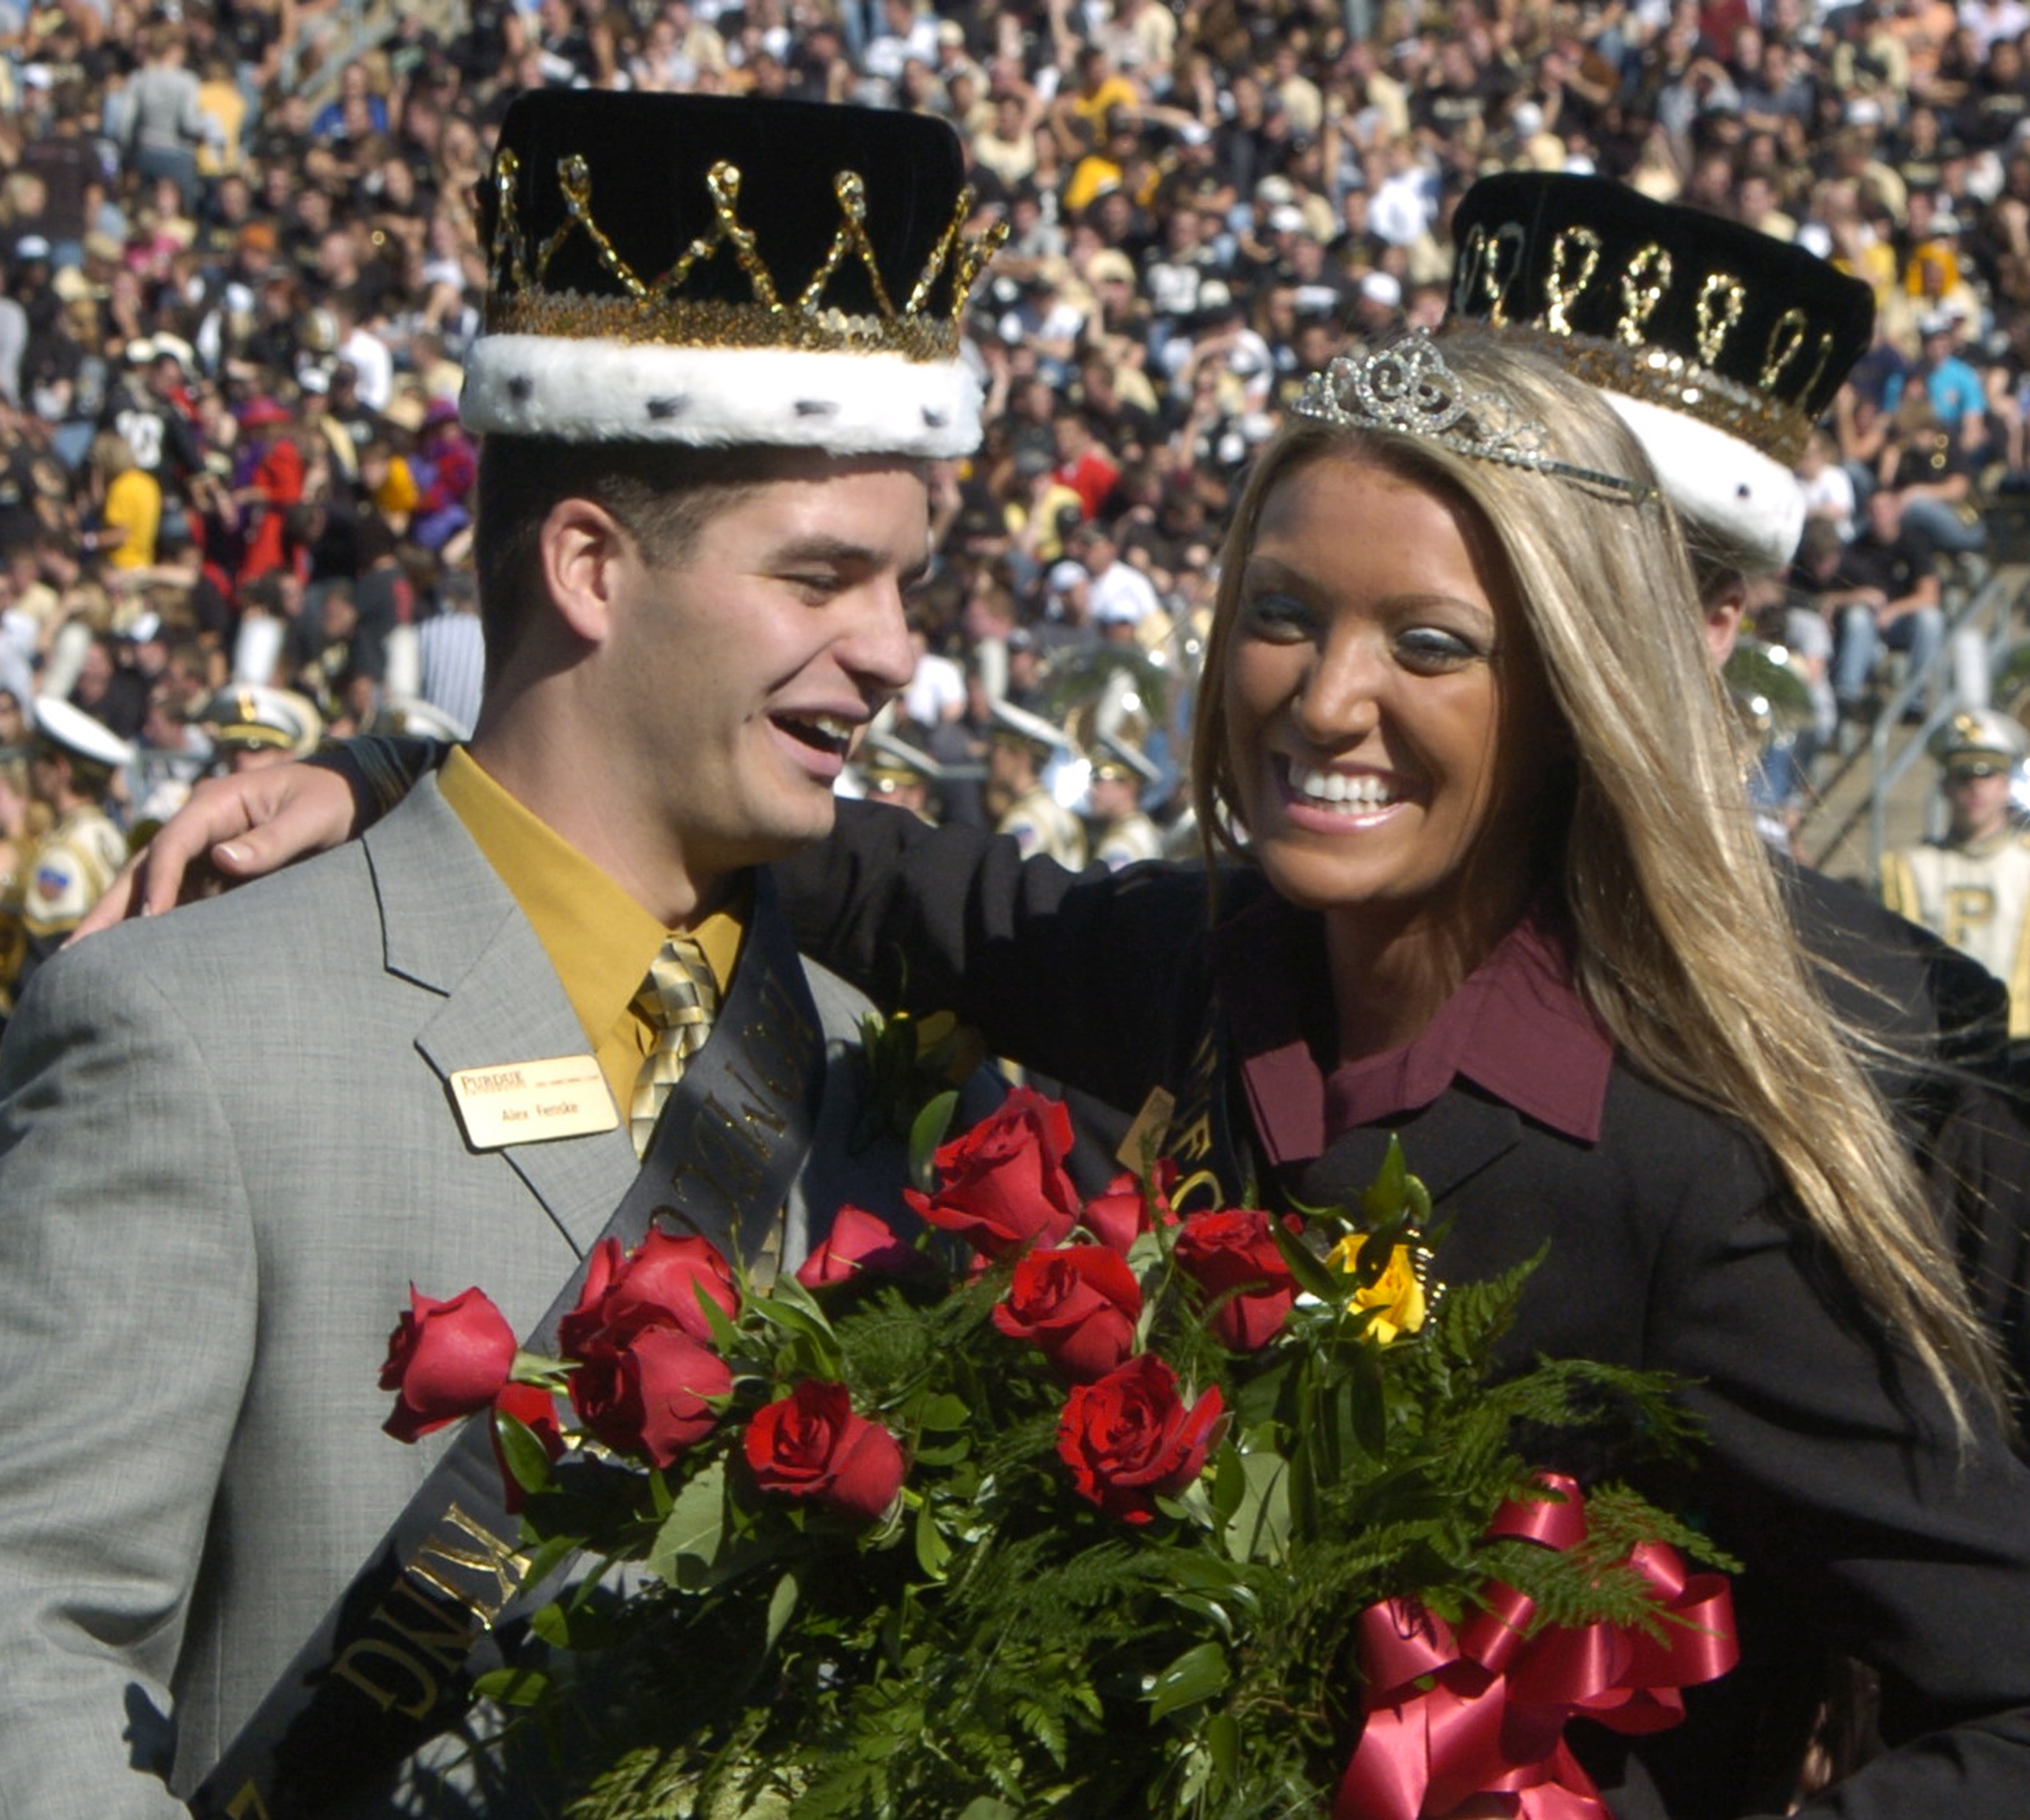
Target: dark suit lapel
x=449, y=925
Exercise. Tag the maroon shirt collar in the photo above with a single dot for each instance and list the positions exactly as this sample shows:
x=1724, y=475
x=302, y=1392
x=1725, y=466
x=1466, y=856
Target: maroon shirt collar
x=1517, y=1029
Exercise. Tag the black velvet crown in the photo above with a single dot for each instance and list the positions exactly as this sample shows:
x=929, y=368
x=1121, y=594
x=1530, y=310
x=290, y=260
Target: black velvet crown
x=705, y=221
x=1704, y=317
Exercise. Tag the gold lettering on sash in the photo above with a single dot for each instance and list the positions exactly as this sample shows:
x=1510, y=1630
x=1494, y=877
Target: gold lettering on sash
x=247, y=1804
x=1562, y=290
x=1186, y=1197
x=400, y=1679
x=353, y=1667
x=757, y=1110
x=777, y=1039
x=1643, y=285
x=1193, y=1142
x=1721, y=301
x=725, y=1161
x=497, y=1560
x=446, y=1642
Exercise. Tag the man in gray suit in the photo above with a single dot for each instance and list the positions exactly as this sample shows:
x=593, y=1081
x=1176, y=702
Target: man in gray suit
x=231, y=1139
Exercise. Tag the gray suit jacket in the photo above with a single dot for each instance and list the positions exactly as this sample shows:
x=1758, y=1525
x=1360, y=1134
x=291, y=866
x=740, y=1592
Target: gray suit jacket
x=226, y=1148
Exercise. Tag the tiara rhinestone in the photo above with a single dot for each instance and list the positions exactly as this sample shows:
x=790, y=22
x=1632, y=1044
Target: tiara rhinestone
x=1407, y=388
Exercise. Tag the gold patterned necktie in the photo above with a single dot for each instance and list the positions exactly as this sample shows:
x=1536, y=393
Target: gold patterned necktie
x=679, y=999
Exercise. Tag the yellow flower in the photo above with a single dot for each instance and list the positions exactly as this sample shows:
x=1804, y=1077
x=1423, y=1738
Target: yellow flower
x=1396, y=1296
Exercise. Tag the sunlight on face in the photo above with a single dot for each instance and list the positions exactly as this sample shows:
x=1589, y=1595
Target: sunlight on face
x=1388, y=721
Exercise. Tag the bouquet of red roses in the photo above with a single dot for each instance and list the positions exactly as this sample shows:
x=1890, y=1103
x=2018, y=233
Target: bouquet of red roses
x=1114, y=1511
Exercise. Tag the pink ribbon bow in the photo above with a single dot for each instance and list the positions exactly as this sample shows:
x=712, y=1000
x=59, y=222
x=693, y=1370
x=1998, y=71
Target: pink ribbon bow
x=1482, y=1711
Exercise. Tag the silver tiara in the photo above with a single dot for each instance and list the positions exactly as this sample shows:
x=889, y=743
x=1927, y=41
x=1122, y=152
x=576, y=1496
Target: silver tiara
x=1407, y=388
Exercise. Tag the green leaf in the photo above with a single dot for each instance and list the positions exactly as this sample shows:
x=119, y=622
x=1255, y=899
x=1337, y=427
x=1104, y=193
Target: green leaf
x=512, y=1686
x=986, y=1807
x=528, y=1460
x=781, y=1608
x=1260, y=1527
x=1313, y=1276
x=725, y=1337
x=693, y=1529
x=1230, y=1482
x=1195, y=1676
x=1220, y=1739
x=943, y=1414
x=934, y=1553
x=1366, y=1388
x=1384, y=1199
x=807, y=1325
x=547, y=1556
x=927, y=1134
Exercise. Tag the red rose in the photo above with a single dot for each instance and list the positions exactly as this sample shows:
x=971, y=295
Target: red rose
x=859, y=1244
x=648, y=1393
x=1120, y=1216
x=445, y=1360
x=810, y=1444
x=1004, y=1181
x=1129, y=1440
x=1233, y=1255
x=536, y=1409
x=657, y=1286
x=1078, y=1305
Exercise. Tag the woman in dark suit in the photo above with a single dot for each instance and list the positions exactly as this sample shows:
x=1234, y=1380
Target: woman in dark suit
x=1493, y=889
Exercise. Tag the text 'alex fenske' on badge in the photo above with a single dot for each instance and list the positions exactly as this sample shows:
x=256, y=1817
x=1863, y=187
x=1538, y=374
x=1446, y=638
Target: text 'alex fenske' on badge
x=528, y=1102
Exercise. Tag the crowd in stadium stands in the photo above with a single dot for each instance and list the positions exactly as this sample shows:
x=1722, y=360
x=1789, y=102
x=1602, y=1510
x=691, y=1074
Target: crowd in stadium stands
x=240, y=266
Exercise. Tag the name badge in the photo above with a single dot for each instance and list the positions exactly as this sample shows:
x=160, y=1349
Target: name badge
x=529, y=1102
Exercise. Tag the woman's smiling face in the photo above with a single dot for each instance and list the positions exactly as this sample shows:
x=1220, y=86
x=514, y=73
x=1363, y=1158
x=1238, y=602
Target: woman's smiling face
x=1388, y=725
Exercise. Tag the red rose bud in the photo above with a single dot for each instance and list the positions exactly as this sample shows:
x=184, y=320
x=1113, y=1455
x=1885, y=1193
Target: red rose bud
x=445, y=1360
x=648, y=1393
x=536, y=1409
x=1078, y=1305
x=1129, y=1440
x=1005, y=1185
x=859, y=1244
x=810, y=1444
x=657, y=1286
x=1120, y=1216
x=1233, y=1255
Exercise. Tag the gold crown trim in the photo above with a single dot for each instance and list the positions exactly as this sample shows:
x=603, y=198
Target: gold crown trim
x=654, y=310
x=1677, y=384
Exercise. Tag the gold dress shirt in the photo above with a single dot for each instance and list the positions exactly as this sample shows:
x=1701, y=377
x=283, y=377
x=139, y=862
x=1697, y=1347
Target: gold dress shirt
x=598, y=938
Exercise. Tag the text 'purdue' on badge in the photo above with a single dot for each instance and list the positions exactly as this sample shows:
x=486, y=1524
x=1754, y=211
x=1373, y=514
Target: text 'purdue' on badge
x=529, y=1102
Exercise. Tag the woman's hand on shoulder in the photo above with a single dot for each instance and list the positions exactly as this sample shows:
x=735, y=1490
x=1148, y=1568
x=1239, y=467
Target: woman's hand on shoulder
x=232, y=830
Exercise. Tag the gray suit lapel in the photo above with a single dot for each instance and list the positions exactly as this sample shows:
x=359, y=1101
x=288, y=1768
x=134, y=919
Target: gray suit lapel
x=450, y=925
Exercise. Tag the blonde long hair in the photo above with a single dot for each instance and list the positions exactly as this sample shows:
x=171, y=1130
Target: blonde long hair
x=1673, y=898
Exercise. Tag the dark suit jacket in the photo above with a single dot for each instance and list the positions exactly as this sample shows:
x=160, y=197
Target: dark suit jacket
x=1829, y=1472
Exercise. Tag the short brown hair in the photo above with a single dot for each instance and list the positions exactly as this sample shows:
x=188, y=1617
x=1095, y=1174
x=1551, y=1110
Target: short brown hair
x=662, y=492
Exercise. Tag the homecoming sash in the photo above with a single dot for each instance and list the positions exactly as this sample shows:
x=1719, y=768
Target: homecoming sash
x=1197, y=1125
x=391, y=1665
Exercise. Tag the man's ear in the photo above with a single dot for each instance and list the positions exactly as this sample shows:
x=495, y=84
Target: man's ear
x=1723, y=610
x=580, y=547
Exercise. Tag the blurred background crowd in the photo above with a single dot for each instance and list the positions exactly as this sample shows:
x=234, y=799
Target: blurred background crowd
x=239, y=269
